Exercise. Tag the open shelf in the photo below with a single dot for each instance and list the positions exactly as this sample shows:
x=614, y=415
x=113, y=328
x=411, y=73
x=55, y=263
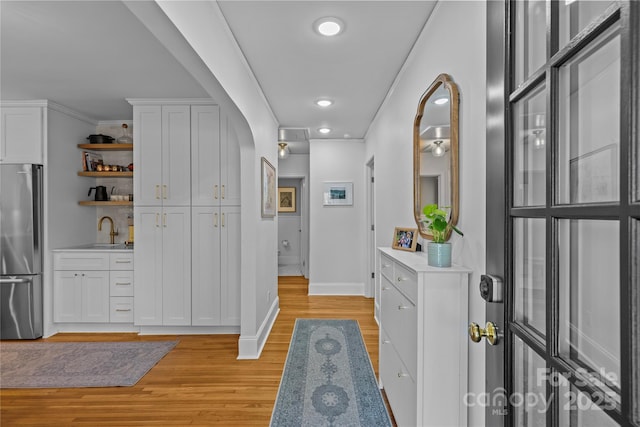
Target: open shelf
x=106, y=174
x=106, y=147
x=109, y=203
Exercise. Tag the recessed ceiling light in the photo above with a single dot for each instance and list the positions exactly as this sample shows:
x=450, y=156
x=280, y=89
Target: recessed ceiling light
x=441, y=101
x=324, y=130
x=328, y=26
x=324, y=102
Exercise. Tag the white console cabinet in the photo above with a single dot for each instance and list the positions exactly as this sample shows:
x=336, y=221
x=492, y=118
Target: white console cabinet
x=423, y=339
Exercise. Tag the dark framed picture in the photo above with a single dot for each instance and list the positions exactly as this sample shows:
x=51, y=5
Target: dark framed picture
x=286, y=199
x=405, y=239
x=268, y=202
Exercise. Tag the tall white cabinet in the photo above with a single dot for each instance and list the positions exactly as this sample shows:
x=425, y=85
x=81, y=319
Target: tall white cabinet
x=21, y=132
x=423, y=339
x=186, y=216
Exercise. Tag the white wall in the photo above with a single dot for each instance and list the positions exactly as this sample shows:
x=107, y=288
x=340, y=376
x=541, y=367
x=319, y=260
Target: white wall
x=337, y=258
x=452, y=42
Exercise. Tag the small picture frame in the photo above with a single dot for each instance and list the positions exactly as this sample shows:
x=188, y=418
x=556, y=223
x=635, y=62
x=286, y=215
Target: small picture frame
x=286, y=199
x=338, y=194
x=268, y=199
x=405, y=239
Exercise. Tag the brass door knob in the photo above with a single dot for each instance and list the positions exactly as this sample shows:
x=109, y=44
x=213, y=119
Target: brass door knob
x=490, y=332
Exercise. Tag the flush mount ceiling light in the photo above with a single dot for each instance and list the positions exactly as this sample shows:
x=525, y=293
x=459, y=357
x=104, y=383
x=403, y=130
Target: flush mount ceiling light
x=441, y=101
x=283, y=150
x=438, y=150
x=328, y=26
x=324, y=102
x=324, y=130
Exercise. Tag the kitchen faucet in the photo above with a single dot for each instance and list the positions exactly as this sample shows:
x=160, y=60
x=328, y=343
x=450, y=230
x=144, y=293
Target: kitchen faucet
x=112, y=233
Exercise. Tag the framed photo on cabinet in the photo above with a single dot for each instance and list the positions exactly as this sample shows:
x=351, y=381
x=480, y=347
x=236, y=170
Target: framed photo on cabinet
x=268, y=199
x=405, y=239
x=286, y=199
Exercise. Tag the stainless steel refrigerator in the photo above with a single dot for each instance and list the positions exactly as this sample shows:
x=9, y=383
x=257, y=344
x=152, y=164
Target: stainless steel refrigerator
x=20, y=251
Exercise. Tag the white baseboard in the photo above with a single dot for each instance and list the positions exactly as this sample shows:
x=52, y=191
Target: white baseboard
x=348, y=288
x=250, y=347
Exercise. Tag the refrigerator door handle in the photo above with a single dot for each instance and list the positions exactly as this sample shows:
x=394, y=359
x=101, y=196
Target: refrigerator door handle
x=14, y=280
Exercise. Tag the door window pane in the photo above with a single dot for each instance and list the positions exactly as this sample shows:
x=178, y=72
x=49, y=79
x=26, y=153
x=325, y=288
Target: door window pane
x=530, y=38
x=589, y=328
x=529, y=272
x=577, y=409
x=576, y=15
x=529, y=149
x=529, y=395
x=589, y=123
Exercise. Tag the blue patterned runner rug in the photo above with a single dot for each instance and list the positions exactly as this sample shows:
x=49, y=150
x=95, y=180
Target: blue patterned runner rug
x=328, y=379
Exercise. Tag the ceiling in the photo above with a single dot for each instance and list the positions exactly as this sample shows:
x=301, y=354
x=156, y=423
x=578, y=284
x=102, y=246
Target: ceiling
x=90, y=56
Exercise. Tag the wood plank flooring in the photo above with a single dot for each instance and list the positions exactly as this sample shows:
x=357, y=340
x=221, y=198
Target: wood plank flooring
x=199, y=383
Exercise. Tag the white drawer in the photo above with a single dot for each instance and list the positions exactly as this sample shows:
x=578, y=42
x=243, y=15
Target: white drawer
x=80, y=260
x=406, y=281
x=121, y=309
x=386, y=266
x=121, y=283
x=398, y=384
x=400, y=320
x=121, y=261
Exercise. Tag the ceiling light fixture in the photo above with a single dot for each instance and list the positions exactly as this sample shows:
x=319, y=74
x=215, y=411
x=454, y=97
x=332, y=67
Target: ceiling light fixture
x=283, y=150
x=328, y=26
x=441, y=101
x=324, y=130
x=324, y=102
x=438, y=150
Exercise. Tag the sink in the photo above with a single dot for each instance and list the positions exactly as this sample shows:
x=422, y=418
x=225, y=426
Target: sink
x=103, y=246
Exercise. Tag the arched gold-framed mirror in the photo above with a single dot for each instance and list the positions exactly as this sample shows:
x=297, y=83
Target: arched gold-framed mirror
x=435, y=151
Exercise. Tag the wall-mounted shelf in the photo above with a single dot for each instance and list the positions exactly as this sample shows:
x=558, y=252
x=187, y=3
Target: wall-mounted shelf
x=106, y=147
x=107, y=203
x=106, y=174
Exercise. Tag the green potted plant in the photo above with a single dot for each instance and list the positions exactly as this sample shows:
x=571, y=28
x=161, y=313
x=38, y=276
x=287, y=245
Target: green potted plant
x=438, y=223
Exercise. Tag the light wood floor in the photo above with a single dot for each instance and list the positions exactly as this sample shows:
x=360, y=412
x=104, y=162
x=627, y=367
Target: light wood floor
x=199, y=383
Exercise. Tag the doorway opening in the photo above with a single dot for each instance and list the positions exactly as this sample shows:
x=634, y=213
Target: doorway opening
x=292, y=227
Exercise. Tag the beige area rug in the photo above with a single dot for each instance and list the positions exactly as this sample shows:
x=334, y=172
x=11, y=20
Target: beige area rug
x=78, y=364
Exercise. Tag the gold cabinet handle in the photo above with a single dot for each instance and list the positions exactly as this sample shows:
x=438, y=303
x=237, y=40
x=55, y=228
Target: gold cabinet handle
x=157, y=192
x=223, y=220
x=164, y=191
x=157, y=220
x=215, y=192
x=490, y=332
x=123, y=283
x=164, y=220
x=222, y=192
x=215, y=220
x=123, y=309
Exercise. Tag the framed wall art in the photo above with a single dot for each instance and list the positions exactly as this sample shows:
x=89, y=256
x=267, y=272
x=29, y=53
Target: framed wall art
x=268, y=199
x=405, y=239
x=338, y=194
x=286, y=199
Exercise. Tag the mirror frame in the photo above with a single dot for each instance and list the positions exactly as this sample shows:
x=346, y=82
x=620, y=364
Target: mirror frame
x=452, y=88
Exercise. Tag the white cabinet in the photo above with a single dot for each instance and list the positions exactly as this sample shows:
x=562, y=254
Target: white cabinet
x=423, y=339
x=215, y=159
x=161, y=155
x=163, y=265
x=87, y=284
x=216, y=266
x=21, y=134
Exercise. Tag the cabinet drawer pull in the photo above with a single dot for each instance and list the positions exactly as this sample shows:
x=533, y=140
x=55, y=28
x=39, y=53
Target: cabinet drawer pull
x=215, y=220
x=402, y=375
x=215, y=192
x=157, y=192
x=223, y=192
x=223, y=220
x=402, y=307
x=164, y=220
x=157, y=219
x=164, y=191
x=123, y=261
x=123, y=283
x=123, y=309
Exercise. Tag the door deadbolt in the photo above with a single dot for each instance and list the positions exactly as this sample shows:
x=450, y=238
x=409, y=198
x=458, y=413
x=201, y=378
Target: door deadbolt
x=490, y=332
